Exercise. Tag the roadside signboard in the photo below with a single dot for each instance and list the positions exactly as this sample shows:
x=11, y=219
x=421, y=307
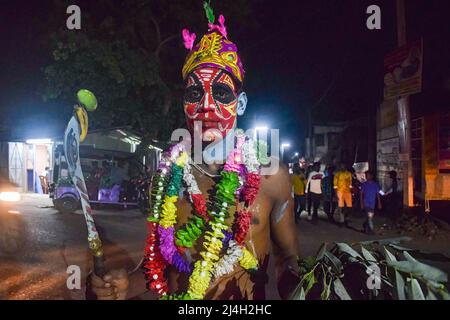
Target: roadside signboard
x=403, y=71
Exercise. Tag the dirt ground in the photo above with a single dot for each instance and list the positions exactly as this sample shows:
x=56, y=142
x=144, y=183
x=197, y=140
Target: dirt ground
x=55, y=241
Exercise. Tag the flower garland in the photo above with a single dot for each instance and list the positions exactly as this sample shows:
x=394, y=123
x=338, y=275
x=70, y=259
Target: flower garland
x=239, y=182
x=168, y=218
x=227, y=262
x=154, y=263
x=187, y=236
x=242, y=218
x=225, y=196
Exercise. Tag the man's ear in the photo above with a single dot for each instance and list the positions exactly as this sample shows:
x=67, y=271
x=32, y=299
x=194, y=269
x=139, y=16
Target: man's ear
x=242, y=103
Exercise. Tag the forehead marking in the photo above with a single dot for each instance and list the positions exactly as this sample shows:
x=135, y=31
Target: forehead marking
x=225, y=78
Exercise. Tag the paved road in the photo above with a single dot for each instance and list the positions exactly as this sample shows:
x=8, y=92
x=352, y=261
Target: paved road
x=55, y=241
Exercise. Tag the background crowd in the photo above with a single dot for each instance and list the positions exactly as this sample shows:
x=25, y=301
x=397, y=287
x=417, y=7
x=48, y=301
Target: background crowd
x=341, y=193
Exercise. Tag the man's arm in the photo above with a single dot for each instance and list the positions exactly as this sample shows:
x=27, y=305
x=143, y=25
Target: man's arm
x=292, y=184
x=350, y=180
x=308, y=180
x=322, y=185
x=379, y=201
x=138, y=284
x=284, y=234
x=361, y=199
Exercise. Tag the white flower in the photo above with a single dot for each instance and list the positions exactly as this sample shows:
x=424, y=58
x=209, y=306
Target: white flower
x=226, y=264
x=190, y=181
x=250, y=158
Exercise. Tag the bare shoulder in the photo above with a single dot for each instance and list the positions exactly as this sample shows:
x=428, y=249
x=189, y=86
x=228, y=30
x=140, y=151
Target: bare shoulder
x=276, y=182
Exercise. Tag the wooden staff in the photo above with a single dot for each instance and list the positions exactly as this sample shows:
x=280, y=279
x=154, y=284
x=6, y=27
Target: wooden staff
x=75, y=133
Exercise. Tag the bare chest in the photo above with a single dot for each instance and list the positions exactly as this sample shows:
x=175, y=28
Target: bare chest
x=257, y=240
x=258, y=235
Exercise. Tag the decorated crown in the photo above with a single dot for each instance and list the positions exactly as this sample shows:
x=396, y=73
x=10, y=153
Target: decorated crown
x=213, y=50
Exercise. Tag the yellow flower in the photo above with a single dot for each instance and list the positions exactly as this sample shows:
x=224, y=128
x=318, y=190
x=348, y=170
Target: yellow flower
x=209, y=256
x=214, y=247
x=199, y=280
x=168, y=213
x=248, y=261
x=218, y=227
x=181, y=161
x=201, y=275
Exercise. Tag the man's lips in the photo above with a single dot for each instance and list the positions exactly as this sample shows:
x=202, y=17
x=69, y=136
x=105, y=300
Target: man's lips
x=210, y=124
x=210, y=121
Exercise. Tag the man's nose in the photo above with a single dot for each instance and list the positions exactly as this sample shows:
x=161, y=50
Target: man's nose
x=207, y=104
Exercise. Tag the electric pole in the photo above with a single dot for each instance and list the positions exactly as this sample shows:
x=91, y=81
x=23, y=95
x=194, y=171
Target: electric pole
x=404, y=122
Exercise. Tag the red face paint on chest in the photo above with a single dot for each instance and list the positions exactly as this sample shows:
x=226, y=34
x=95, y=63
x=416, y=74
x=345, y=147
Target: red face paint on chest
x=210, y=98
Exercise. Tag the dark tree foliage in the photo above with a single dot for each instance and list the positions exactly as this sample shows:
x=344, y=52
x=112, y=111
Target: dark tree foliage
x=130, y=54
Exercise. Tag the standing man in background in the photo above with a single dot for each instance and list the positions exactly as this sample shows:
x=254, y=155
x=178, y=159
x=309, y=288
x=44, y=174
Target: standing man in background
x=393, y=199
x=329, y=202
x=298, y=183
x=370, y=196
x=342, y=183
x=314, y=191
x=308, y=170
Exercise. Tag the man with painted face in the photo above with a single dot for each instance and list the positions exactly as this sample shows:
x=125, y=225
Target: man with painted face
x=212, y=98
x=213, y=75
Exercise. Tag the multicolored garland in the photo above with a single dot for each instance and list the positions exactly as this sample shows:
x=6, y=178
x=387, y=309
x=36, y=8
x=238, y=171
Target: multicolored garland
x=223, y=245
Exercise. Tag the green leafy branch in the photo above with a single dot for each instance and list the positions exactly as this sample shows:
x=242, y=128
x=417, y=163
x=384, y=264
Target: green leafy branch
x=370, y=270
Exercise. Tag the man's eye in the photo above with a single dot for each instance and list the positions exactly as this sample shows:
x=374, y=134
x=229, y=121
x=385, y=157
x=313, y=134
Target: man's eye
x=193, y=94
x=223, y=94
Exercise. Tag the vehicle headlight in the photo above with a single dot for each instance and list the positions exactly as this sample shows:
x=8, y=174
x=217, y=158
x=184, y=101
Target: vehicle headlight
x=10, y=196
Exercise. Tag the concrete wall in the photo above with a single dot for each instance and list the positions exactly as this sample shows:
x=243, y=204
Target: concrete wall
x=388, y=143
x=321, y=151
x=16, y=166
x=437, y=186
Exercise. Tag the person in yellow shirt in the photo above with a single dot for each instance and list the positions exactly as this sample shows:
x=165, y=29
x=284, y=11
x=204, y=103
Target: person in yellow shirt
x=298, y=183
x=342, y=183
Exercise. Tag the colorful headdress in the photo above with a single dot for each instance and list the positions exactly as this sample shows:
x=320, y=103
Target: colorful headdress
x=213, y=50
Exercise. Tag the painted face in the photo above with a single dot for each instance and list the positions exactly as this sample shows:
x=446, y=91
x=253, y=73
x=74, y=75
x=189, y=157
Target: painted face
x=211, y=98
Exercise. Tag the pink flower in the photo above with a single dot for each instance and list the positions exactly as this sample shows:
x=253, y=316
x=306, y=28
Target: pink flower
x=189, y=39
x=221, y=27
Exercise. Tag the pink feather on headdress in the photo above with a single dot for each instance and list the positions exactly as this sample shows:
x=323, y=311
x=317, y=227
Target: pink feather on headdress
x=189, y=39
x=221, y=27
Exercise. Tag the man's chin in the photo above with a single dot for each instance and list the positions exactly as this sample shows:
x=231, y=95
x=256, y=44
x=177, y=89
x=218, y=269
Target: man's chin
x=209, y=132
x=211, y=136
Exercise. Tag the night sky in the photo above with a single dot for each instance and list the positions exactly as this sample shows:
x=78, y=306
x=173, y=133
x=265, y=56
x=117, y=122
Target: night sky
x=303, y=53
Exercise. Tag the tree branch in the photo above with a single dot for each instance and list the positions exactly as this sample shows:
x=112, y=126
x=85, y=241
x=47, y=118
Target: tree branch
x=157, y=29
x=164, y=42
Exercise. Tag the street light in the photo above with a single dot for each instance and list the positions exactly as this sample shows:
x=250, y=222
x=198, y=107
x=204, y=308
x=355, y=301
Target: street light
x=39, y=141
x=259, y=128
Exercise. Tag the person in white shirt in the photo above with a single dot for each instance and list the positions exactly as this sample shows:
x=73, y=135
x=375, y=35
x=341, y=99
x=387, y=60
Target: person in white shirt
x=314, y=188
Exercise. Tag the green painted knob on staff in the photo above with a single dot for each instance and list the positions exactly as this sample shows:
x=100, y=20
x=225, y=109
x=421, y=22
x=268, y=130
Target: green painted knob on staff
x=87, y=99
